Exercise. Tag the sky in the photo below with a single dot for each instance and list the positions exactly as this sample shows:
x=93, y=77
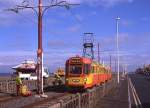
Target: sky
x=63, y=31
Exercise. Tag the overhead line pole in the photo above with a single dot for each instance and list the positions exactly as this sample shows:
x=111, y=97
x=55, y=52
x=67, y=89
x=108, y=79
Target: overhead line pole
x=98, y=53
x=115, y=65
x=40, y=51
x=40, y=14
x=110, y=61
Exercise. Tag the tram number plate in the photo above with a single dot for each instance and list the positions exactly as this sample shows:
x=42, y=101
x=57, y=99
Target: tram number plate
x=75, y=80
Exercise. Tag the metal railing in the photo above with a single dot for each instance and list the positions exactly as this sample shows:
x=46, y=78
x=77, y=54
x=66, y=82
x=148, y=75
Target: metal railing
x=88, y=99
x=9, y=86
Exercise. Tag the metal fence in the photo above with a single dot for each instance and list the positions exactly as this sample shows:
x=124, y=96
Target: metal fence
x=88, y=99
x=9, y=86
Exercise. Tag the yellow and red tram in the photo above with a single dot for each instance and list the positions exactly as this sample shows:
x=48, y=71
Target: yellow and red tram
x=85, y=73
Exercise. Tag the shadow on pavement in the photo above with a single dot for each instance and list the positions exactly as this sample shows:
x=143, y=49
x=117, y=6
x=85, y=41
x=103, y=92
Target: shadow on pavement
x=144, y=105
x=58, y=89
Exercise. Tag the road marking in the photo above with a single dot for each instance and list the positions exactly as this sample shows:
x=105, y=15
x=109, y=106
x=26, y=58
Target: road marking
x=129, y=98
x=135, y=100
x=135, y=96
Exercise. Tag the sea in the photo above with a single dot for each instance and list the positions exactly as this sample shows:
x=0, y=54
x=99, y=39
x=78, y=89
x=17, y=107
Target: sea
x=6, y=70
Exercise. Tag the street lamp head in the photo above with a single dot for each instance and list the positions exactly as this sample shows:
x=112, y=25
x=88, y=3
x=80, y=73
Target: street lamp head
x=117, y=18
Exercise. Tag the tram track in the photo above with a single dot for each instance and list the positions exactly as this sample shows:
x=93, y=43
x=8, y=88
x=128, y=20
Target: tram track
x=30, y=102
x=46, y=100
x=8, y=98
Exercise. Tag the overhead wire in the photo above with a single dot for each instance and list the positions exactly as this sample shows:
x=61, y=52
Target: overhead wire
x=26, y=18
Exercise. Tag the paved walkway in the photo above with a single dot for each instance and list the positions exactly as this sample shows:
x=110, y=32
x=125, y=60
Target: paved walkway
x=117, y=97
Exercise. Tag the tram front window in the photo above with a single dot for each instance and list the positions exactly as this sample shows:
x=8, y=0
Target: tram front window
x=75, y=69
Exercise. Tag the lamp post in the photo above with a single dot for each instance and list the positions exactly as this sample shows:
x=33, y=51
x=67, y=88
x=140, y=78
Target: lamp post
x=118, y=61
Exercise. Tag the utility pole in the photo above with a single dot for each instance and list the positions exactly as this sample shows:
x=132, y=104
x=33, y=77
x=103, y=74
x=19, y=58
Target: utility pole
x=41, y=9
x=110, y=62
x=98, y=53
x=118, y=64
x=115, y=65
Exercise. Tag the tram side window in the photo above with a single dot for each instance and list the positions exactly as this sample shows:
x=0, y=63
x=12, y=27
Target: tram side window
x=89, y=68
x=92, y=69
x=66, y=69
x=86, y=68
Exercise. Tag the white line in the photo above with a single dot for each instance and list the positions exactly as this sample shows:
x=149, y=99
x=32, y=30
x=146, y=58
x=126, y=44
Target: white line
x=135, y=100
x=133, y=94
x=129, y=97
x=136, y=96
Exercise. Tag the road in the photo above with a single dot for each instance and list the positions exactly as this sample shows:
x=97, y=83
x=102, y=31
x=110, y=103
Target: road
x=141, y=84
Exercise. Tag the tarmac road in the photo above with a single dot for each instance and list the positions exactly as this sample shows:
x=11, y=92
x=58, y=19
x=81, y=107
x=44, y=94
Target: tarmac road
x=142, y=87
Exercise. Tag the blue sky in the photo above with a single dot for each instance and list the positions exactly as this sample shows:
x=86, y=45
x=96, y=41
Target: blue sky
x=63, y=31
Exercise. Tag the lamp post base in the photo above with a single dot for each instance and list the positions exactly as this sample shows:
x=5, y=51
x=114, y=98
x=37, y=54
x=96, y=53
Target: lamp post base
x=41, y=96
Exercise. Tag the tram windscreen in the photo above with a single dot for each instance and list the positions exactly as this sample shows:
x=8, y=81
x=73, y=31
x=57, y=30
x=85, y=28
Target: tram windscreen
x=75, y=69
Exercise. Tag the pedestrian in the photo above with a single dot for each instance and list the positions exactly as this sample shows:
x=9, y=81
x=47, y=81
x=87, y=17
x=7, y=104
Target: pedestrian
x=18, y=84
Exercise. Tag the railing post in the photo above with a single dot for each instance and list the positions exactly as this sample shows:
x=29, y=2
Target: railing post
x=61, y=103
x=89, y=96
x=0, y=86
x=104, y=89
x=79, y=100
x=7, y=86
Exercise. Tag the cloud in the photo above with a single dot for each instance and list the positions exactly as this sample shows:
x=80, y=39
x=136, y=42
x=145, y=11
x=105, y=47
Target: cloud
x=56, y=43
x=125, y=23
x=9, y=18
x=93, y=13
x=16, y=57
x=144, y=19
x=104, y=3
x=1, y=63
x=109, y=3
x=17, y=53
x=74, y=28
x=134, y=48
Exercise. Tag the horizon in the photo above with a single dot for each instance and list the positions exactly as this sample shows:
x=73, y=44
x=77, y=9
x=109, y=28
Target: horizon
x=63, y=32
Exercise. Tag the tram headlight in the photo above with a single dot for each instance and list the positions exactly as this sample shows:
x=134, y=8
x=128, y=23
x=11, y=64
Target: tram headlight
x=67, y=79
x=85, y=79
